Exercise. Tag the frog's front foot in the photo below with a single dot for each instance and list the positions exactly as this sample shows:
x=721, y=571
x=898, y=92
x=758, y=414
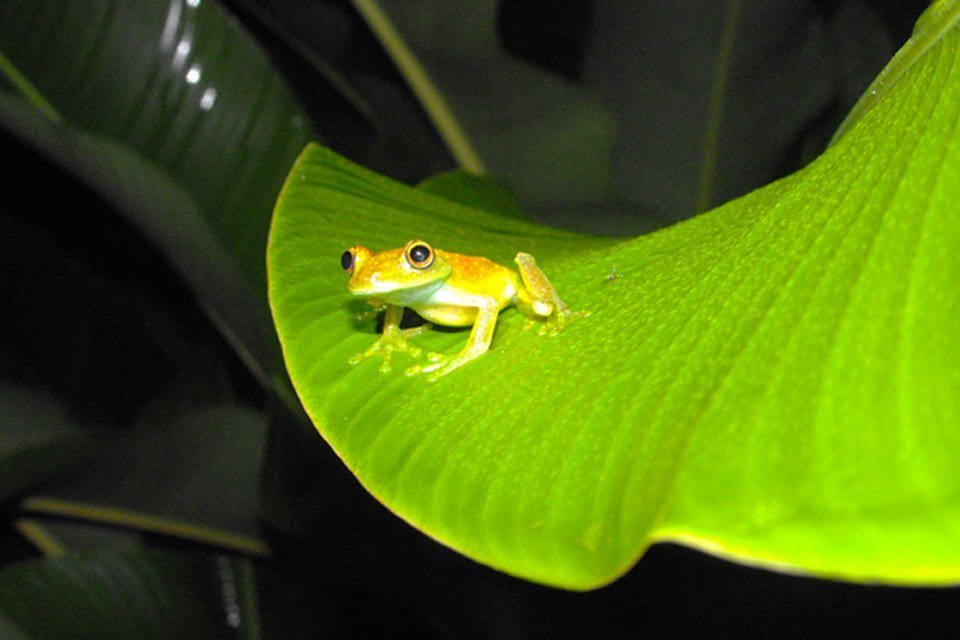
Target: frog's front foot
x=440, y=364
x=391, y=342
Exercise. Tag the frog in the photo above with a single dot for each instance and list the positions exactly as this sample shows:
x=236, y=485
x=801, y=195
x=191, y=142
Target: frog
x=451, y=290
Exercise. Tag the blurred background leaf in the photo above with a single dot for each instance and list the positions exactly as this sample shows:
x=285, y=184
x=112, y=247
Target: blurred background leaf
x=711, y=108
x=655, y=113
x=191, y=476
x=131, y=594
x=38, y=440
x=178, y=83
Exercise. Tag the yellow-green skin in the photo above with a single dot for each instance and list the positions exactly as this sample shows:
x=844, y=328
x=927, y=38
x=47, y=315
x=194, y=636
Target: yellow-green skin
x=449, y=289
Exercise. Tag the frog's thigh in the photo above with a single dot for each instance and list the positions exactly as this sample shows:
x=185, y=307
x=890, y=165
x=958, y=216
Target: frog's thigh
x=540, y=297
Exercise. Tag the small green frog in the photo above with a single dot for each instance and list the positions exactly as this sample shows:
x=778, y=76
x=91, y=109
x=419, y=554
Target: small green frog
x=449, y=289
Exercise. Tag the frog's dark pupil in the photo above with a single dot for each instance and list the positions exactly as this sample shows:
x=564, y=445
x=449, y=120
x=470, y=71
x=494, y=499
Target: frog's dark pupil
x=419, y=254
x=346, y=261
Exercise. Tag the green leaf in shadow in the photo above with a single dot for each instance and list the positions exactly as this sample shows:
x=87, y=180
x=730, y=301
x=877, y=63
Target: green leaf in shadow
x=170, y=80
x=37, y=439
x=478, y=191
x=167, y=215
x=172, y=112
x=134, y=593
x=709, y=96
x=675, y=108
x=546, y=137
x=194, y=478
x=58, y=537
x=776, y=381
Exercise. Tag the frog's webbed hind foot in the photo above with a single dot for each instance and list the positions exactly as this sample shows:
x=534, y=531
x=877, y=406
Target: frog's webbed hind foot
x=539, y=300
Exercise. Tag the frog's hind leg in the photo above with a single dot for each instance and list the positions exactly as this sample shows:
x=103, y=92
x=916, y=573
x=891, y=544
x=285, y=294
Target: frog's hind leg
x=539, y=299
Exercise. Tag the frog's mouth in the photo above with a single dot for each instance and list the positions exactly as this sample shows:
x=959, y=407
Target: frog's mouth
x=391, y=293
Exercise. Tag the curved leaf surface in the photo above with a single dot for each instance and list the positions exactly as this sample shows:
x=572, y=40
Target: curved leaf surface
x=776, y=381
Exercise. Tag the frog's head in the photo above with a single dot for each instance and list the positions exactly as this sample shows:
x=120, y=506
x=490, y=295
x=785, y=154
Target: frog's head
x=416, y=269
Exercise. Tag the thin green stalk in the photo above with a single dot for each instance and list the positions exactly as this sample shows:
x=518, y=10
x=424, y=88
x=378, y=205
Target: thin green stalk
x=26, y=88
x=715, y=108
x=422, y=85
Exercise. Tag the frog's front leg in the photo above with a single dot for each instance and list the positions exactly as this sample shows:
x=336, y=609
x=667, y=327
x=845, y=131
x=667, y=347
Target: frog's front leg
x=477, y=344
x=392, y=340
x=539, y=299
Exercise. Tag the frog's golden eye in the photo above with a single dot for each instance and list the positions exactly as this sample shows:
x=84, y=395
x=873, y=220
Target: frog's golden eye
x=349, y=260
x=419, y=254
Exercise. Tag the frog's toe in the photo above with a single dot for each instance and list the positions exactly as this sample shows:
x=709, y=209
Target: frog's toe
x=557, y=322
x=368, y=314
x=422, y=368
x=415, y=331
x=434, y=374
x=436, y=364
x=360, y=357
x=436, y=369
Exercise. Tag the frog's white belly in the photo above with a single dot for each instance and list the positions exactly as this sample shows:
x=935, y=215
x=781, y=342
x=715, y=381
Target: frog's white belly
x=453, y=307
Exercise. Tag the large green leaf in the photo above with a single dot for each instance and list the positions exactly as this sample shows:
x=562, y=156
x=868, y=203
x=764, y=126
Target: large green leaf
x=776, y=381
x=709, y=119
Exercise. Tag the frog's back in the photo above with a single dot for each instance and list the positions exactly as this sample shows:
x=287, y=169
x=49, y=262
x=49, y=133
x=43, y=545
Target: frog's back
x=477, y=273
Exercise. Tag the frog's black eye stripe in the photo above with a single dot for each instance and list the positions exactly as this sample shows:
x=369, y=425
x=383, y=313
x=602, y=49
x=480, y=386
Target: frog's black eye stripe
x=348, y=261
x=419, y=255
